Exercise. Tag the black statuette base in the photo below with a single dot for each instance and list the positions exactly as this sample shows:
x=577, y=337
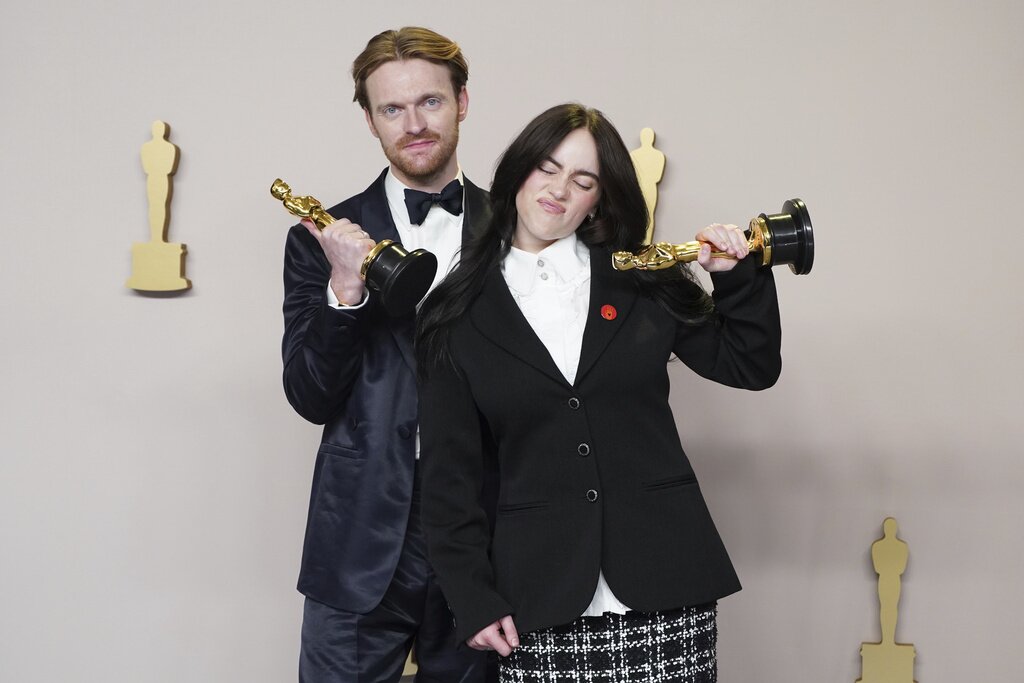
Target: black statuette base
x=401, y=278
x=792, y=237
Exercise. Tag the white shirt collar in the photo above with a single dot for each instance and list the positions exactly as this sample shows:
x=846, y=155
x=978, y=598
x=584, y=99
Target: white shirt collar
x=566, y=258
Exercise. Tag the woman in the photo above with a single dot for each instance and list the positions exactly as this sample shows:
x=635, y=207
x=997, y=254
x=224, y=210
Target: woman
x=603, y=560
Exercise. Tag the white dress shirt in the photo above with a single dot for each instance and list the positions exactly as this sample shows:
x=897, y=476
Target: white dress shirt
x=552, y=289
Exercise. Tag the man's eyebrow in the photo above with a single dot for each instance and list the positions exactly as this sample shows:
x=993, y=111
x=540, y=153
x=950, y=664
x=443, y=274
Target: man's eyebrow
x=424, y=97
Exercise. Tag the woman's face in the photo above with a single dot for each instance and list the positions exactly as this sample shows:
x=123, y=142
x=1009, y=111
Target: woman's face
x=555, y=198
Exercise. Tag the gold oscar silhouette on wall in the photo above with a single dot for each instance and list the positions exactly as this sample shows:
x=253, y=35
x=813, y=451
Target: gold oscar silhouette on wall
x=650, y=166
x=888, y=661
x=159, y=265
x=410, y=666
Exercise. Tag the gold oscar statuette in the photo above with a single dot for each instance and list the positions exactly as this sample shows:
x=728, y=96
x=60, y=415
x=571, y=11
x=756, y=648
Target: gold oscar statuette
x=401, y=278
x=888, y=661
x=159, y=265
x=782, y=238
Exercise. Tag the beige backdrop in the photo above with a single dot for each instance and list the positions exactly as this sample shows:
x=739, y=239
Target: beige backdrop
x=154, y=481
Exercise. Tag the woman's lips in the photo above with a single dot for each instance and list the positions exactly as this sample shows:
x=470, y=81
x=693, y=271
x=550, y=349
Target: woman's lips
x=550, y=206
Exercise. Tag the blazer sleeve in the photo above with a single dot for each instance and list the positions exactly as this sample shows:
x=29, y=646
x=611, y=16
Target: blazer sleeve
x=322, y=346
x=741, y=345
x=458, y=533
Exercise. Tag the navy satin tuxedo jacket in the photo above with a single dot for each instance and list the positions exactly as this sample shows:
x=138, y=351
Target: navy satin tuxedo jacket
x=354, y=372
x=592, y=475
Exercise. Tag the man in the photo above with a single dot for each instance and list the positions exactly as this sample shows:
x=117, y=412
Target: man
x=349, y=366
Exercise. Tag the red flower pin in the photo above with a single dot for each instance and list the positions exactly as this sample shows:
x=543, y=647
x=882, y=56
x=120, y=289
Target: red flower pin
x=608, y=312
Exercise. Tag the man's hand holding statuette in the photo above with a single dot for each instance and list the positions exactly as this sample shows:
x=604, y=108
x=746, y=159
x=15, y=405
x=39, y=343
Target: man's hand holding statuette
x=345, y=245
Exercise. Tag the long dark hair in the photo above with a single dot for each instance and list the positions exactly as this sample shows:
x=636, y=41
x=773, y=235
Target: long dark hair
x=619, y=223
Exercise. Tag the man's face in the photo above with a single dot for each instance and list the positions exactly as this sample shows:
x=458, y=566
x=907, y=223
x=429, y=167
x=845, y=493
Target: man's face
x=415, y=114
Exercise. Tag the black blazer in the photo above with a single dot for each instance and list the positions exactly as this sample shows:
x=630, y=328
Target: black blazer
x=592, y=475
x=354, y=372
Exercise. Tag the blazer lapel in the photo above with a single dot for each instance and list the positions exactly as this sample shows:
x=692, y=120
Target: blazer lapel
x=376, y=217
x=376, y=220
x=477, y=211
x=496, y=315
x=612, y=295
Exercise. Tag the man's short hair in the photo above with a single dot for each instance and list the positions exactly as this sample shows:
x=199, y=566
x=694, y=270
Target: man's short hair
x=408, y=42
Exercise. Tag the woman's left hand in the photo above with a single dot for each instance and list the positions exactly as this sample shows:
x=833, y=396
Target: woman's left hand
x=501, y=636
x=725, y=238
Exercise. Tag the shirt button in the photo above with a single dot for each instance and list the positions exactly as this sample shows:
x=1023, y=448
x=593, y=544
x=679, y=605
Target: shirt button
x=540, y=262
x=404, y=432
x=592, y=496
x=574, y=403
x=543, y=276
x=583, y=449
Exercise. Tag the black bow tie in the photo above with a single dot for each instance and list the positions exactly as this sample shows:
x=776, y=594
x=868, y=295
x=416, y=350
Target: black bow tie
x=419, y=203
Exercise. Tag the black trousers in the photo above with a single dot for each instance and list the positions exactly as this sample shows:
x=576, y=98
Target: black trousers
x=344, y=647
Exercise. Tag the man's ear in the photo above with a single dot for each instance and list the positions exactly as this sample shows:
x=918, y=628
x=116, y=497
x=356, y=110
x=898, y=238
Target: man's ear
x=369, y=123
x=463, y=104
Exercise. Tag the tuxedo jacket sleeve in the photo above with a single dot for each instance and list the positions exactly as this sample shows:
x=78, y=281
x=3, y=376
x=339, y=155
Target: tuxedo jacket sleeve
x=592, y=475
x=353, y=371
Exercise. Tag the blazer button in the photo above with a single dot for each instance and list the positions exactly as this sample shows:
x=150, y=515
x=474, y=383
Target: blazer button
x=574, y=403
x=592, y=496
x=404, y=432
x=583, y=449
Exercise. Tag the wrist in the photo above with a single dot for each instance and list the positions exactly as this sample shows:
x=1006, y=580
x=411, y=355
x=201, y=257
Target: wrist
x=348, y=288
x=347, y=295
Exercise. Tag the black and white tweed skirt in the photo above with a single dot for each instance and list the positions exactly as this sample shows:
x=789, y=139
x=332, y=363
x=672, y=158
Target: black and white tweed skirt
x=676, y=646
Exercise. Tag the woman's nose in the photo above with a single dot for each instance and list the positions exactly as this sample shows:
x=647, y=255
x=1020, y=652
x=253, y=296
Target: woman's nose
x=559, y=187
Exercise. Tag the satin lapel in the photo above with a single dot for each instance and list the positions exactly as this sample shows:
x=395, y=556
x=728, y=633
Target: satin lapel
x=376, y=220
x=608, y=287
x=497, y=316
x=477, y=211
x=376, y=217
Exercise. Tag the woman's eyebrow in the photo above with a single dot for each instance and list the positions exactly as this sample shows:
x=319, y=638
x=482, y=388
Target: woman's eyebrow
x=576, y=172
